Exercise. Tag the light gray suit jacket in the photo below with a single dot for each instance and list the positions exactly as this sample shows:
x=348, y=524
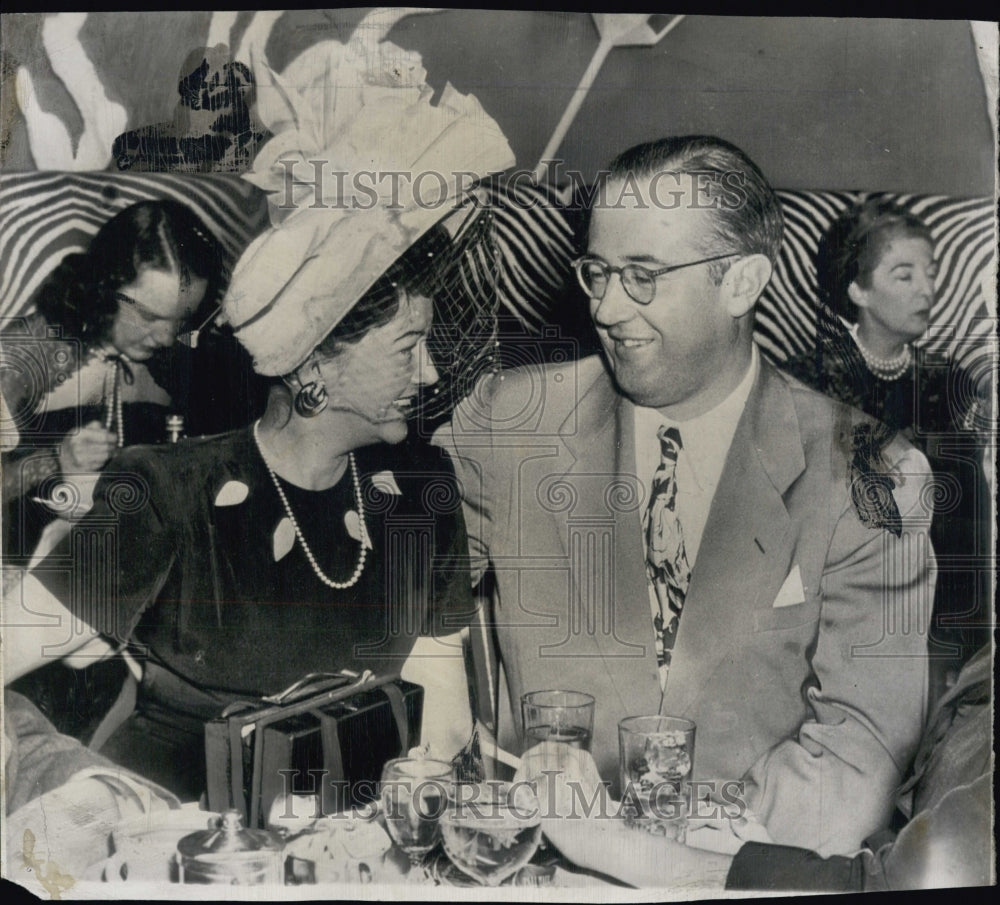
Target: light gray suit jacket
x=801, y=652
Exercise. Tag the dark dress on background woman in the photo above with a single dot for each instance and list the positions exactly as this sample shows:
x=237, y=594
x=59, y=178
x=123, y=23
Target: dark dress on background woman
x=217, y=596
x=937, y=407
x=39, y=364
x=212, y=387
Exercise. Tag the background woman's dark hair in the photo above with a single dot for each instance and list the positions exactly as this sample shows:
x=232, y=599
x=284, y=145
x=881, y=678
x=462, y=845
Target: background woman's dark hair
x=79, y=295
x=415, y=270
x=849, y=251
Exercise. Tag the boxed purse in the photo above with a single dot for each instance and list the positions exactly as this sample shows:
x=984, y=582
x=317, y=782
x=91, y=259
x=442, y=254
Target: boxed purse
x=329, y=735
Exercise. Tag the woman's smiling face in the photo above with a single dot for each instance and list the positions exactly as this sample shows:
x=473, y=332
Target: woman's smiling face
x=378, y=376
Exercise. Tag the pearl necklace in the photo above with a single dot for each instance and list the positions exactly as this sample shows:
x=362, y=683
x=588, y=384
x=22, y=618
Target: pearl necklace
x=113, y=399
x=362, y=555
x=885, y=368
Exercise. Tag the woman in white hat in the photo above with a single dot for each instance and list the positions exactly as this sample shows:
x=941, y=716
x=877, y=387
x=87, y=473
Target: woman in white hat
x=317, y=539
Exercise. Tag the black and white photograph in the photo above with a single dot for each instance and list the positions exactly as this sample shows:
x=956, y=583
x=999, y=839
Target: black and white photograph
x=457, y=454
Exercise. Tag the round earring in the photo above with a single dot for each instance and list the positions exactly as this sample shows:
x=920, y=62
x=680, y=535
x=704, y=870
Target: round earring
x=311, y=399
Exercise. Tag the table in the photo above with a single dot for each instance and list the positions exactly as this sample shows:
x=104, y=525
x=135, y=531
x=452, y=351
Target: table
x=157, y=838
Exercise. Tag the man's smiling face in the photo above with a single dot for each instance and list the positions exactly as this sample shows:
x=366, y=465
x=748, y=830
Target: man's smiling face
x=675, y=351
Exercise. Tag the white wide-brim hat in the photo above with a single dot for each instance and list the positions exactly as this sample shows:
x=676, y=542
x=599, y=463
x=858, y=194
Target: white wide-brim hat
x=392, y=166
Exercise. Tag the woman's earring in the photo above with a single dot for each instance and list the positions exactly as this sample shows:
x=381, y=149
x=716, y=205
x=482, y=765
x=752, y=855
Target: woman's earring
x=311, y=399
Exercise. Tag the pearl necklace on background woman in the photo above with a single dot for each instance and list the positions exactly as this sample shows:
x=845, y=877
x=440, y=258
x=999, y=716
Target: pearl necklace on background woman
x=362, y=554
x=884, y=368
x=118, y=369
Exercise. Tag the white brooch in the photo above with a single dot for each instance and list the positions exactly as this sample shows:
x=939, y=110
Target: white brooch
x=284, y=538
x=232, y=494
x=385, y=482
x=352, y=522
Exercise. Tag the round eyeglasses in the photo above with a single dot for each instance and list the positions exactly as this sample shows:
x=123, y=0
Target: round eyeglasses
x=639, y=282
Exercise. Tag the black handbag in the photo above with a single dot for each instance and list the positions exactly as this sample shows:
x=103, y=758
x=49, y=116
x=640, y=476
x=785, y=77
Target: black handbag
x=328, y=735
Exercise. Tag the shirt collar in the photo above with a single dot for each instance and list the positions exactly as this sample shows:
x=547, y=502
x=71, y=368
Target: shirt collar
x=706, y=438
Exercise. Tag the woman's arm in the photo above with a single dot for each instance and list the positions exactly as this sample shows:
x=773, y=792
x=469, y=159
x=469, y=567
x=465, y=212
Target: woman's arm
x=438, y=665
x=83, y=452
x=37, y=629
x=607, y=845
x=25, y=468
x=73, y=596
x=25, y=464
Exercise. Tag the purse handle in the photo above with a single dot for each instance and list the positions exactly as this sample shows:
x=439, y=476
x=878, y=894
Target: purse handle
x=309, y=699
x=310, y=684
x=335, y=684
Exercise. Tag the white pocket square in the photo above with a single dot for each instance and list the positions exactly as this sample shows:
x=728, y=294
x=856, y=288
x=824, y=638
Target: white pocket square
x=791, y=592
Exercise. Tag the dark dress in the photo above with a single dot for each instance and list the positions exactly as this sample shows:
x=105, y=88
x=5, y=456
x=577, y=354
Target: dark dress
x=194, y=530
x=211, y=386
x=937, y=407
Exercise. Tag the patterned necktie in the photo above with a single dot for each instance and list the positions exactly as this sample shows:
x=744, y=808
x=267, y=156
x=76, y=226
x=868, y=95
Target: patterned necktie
x=666, y=560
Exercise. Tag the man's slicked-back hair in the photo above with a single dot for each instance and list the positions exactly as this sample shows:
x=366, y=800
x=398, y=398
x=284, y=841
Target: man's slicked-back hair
x=746, y=214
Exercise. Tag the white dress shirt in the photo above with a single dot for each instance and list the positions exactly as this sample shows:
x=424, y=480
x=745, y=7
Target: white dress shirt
x=705, y=443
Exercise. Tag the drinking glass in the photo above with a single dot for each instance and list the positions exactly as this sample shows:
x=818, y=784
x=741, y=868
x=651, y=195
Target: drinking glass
x=494, y=832
x=558, y=716
x=414, y=795
x=656, y=757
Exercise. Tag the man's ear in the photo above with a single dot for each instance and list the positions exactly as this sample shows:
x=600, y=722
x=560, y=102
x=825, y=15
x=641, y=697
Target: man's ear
x=744, y=282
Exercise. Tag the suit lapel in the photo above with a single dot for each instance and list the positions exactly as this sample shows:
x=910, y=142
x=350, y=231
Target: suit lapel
x=747, y=545
x=602, y=443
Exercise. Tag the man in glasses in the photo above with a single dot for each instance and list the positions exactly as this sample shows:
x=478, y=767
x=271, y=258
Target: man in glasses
x=677, y=528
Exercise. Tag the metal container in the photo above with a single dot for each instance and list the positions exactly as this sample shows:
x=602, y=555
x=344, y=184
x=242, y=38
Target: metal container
x=230, y=854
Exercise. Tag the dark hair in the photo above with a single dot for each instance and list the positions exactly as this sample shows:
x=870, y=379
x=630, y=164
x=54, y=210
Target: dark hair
x=747, y=213
x=850, y=250
x=79, y=295
x=415, y=270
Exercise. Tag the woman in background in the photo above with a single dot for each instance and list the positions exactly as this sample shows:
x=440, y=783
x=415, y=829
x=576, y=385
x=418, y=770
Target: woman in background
x=94, y=368
x=85, y=373
x=876, y=271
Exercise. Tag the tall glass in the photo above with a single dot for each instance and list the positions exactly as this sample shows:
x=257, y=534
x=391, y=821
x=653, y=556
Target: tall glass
x=492, y=830
x=558, y=716
x=414, y=795
x=656, y=758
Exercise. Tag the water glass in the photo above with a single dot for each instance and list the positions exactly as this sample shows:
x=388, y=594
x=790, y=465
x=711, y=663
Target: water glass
x=558, y=716
x=491, y=830
x=414, y=795
x=656, y=758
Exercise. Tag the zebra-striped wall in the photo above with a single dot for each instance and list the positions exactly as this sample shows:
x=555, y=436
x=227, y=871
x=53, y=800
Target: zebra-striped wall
x=44, y=216
x=48, y=215
x=963, y=320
